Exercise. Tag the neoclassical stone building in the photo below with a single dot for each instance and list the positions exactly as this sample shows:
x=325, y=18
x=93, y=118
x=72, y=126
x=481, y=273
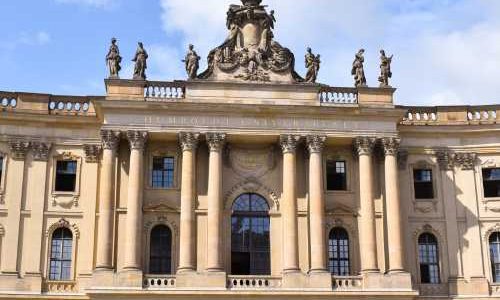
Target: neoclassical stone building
x=247, y=181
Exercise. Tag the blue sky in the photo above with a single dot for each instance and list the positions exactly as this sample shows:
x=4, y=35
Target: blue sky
x=446, y=51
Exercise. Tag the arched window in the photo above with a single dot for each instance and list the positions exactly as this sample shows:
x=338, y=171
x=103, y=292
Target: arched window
x=495, y=255
x=428, y=255
x=160, y=254
x=61, y=251
x=338, y=252
x=250, y=246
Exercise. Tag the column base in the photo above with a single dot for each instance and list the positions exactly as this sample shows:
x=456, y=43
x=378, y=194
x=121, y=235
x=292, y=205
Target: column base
x=294, y=279
x=320, y=279
x=211, y=280
x=131, y=278
x=393, y=280
x=103, y=277
x=473, y=286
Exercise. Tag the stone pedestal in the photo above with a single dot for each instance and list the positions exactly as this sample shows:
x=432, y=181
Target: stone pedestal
x=477, y=286
x=320, y=280
x=400, y=281
x=207, y=280
x=294, y=280
x=103, y=278
x=130, y=278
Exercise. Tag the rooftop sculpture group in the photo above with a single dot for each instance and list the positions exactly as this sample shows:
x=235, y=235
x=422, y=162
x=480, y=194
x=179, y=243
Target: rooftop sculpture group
x=250, y=53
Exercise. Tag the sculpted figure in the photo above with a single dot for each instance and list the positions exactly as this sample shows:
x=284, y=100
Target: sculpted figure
x=358, y=69
x=385, y=69
x=113, y=59
x=230, y=42
x=192, y=62
x=140, y=60
x=266, y=38
x=312, y=64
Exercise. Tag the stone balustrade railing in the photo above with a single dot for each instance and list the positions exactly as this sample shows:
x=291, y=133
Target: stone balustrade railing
x=158, y=282
x=451, y=115
x=253, y=282
x=60, y=287
x=338, y=95
x=164, y=91
x=344, y=283
x=8, y=101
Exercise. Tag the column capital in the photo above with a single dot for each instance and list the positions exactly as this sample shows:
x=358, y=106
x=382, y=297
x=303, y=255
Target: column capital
x=391, y=145
x=92, y=153
x=316, y=143
x=289, y=142
x=216, y=140
x=137, y=139
x=18, y=149
x=466, y=161
x=110, y=139
x=364, y=145
x=41, y=151
x=445, y=159
x=189, y=140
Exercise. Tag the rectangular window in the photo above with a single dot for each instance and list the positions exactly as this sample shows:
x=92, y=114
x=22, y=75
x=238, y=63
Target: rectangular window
x=336, y=175
x=491, y=182
x=422, y=183
x=66, y=176
x=163, y=172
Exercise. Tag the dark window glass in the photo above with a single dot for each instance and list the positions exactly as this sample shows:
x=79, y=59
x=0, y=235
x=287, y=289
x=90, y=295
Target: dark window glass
x=60, y=254
x=336, y=179
x=1, y=168
x=66, y=176
x=428, y=256
x=495, y=255
x=160, y=258
x=422, y=182
x=163, y=172
x=491, y=182
x=250, y=246
x=338, y=252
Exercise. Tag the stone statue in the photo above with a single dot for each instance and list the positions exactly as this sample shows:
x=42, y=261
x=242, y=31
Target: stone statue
x=192, y=62
x=385, y=69
x=358, y=69
x=312, y=64
x=113, y=60
x=140, y=59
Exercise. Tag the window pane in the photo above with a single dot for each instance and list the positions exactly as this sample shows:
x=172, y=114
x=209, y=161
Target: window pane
x=66, y=176
x=338, y=252
x=163, y=172
x=336, y=179
x=428, y=255
x=422, y=183
x=491, y=182
x=61, y=254
x=160, y=250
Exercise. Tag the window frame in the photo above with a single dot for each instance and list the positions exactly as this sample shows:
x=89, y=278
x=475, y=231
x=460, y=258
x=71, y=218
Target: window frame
x=66, y=198
x=349, y=251
x=491, y=258
x=62, y=223
x=168, y=152
x=438, y=256
x=339, y=155
x=164, y=172
x=346, y=174
x=483, y=181
x=61, y=258
x=432, y=182
x=150, y=232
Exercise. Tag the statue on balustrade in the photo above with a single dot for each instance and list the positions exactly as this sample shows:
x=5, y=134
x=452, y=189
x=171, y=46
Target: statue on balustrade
x=250, y=53
x=358, y=69
x=385, y=69
x=140, y=59
x=312, y=64
x=113, y=60
x=192, y=62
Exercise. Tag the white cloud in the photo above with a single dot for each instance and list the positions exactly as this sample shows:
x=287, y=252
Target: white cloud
x=38, y=38
x=446, y=52
x=92, y=3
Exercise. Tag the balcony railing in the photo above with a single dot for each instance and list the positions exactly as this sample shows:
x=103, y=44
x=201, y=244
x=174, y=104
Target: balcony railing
x=161, y=91
x=158, y=282
x=235, y=282
x=346, y=283
x=60, y=287
x=338, y=95
x=452, y=115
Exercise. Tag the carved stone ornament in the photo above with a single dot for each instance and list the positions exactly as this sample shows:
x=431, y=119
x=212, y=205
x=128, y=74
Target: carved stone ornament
x=402, y=159
x=18, y=149
x=92, y=153
x=251, y=162
x=364, y=145
x=216, y=141
x=316, y=143
x=466, y=161
x=62, y=223
x=189, y=140
x=250, y=52
x=137, y=139
x=110, y=139
x=391, y=146
x=445, y=159
x=289, y=143
x=40, y=151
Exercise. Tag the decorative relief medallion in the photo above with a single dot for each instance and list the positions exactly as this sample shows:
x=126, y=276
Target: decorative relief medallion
x=41, y=151
x=110, y=139
x=249, y=162
x=189, y=140
x=18, y=149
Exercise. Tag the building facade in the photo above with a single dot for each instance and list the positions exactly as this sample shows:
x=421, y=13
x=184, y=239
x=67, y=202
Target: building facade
x=247, y=181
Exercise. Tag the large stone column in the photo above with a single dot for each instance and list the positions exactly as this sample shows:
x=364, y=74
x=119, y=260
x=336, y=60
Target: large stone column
x=366, y=219
x=393, y=205
x=289, y=204
x=315, y=145
x=215, y=143
x=189, y=143
x=110, y=142
x=137, y=141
